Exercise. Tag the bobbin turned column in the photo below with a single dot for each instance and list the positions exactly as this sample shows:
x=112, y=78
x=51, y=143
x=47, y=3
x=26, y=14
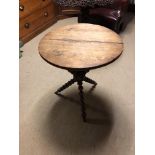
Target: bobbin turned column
x=80, y=76
x=83, y=106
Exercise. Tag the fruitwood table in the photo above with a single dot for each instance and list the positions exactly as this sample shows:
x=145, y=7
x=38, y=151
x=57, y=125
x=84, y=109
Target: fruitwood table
x=80, y=48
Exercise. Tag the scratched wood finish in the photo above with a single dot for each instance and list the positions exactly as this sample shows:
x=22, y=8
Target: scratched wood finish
x=80, y=46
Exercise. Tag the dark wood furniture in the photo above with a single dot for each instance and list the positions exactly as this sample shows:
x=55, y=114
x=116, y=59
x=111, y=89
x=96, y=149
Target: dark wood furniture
x=35, y=16
x=80, y=48
x=66, y=12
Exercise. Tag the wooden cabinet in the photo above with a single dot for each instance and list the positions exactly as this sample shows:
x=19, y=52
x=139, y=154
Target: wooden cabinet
x=65, y=12
x=35, y=16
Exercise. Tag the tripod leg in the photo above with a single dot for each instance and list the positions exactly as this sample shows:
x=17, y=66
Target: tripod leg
x=83, y=109
x=86, y=79
x=66, y=85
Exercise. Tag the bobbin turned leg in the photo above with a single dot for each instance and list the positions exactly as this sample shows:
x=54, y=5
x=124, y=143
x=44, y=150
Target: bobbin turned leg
x=66, y=85
x=78, y=76
x=86, y=79
x=83, y=108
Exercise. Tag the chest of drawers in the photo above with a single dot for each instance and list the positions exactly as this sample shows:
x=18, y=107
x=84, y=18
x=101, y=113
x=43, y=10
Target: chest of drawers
x=35, y=16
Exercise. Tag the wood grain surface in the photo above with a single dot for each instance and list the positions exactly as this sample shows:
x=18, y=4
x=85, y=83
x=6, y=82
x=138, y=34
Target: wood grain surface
x=80, y=46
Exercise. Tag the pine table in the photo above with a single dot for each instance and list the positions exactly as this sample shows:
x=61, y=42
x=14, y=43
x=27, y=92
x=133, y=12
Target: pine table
x=78, y=49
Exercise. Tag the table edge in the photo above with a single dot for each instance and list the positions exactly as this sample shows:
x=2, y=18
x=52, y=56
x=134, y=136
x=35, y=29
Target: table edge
x=79, y=69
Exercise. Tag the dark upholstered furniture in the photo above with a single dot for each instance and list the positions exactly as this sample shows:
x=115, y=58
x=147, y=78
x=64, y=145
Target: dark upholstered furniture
x=110, y=13
x=114, y=16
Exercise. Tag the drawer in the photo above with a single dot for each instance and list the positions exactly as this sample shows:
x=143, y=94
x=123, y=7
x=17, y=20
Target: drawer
x=27, y=7
x=37, y=19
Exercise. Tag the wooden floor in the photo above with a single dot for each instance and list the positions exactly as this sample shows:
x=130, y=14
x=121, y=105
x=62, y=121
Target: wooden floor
x=51, y=125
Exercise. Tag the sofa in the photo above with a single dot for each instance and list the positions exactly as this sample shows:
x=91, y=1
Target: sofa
x=114, y=16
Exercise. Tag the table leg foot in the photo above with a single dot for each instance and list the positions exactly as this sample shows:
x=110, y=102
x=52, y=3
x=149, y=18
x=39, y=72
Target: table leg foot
x=83, y=108
x=66, y=85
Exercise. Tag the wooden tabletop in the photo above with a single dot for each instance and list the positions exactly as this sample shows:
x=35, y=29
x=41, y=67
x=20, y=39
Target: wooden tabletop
x=80, y=46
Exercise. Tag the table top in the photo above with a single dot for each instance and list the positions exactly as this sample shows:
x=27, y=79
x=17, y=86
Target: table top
x=80, y=46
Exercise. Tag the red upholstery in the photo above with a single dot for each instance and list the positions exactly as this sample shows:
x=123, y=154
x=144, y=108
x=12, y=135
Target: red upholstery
x=112, y=16
x=120, y=4
x=110, y=13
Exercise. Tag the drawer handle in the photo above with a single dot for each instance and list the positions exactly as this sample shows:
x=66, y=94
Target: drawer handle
x=45, y=14
x=27, y=25
x=21, y=8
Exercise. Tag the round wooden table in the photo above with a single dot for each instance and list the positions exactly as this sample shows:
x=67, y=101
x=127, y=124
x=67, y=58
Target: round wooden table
x=79, y=48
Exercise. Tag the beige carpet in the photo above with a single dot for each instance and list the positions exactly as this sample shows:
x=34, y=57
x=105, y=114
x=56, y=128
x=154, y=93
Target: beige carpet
x=50, y=125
